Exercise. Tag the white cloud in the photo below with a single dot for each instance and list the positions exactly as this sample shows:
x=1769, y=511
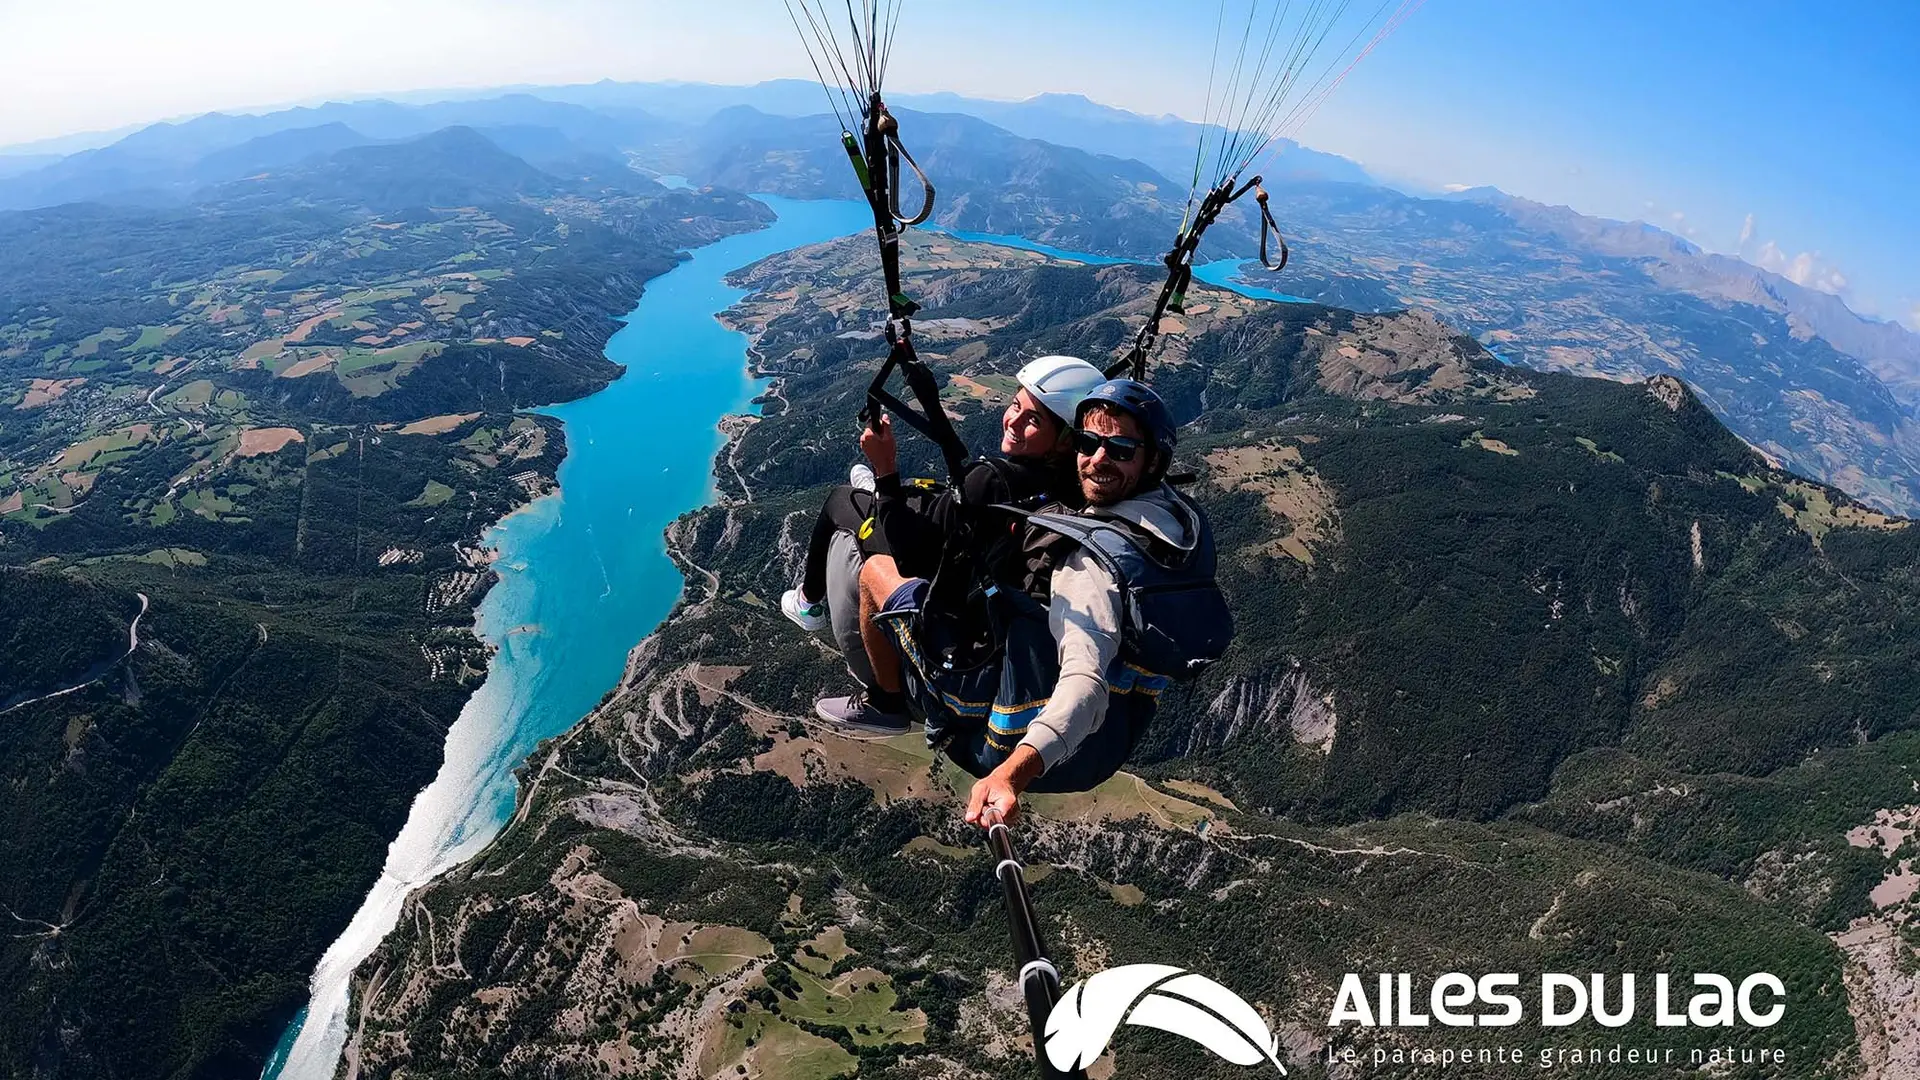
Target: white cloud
x=1807, y=268
x=1746, y=232
x=1677, y=216
x=1451, y=188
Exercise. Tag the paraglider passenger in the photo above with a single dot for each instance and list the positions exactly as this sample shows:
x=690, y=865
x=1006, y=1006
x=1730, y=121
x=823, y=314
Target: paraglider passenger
x=1068, y=700
x=878, y=514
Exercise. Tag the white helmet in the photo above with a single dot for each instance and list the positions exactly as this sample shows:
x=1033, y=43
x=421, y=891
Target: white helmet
x=1060, y=383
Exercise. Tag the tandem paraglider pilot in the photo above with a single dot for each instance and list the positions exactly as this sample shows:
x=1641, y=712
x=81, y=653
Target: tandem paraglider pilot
x=1098, y=610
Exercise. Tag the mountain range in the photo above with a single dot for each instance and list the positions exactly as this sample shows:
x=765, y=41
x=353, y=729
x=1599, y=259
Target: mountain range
x=609, y=117
x=1534, y=672
x=1530, y=660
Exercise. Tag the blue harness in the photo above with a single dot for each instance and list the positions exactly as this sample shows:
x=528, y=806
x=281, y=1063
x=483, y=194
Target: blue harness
x=1175, y=624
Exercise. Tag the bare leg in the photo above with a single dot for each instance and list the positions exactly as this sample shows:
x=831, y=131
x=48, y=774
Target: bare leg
x=879, y=577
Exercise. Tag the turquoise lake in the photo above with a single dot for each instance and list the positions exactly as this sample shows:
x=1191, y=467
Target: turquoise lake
x=1221, y=273
x=584, y=574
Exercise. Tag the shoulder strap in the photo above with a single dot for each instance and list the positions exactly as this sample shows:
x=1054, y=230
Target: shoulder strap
x=1105, y=541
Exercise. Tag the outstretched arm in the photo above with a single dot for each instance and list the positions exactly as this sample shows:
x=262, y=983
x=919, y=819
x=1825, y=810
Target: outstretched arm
x=1085, y=620
x=1084, y=617
x=995, y=797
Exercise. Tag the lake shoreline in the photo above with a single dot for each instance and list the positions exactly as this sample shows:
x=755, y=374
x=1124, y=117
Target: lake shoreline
x=488, y=541
x=529, y=772
x=450, y=822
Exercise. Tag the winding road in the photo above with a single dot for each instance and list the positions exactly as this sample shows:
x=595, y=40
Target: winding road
x=133, y=643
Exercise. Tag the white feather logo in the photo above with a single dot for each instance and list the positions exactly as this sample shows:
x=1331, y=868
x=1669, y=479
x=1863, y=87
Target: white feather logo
x=1157, y=996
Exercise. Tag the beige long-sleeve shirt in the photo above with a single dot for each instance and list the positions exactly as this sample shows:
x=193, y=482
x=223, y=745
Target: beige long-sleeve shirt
x=1084, y=616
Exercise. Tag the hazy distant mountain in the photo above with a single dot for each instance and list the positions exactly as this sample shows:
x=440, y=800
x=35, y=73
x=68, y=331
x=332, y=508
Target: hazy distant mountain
x=607, y=117
x=988, y=179
x=15, y=164
x=168, y=161
x=1164, y=143
x=692, y=103
x=1892, y=351
x=278, y=150
x=62, y=145
x=456, y=166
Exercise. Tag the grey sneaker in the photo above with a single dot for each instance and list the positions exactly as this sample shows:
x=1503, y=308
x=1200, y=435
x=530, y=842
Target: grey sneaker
x=856, y=712
x=861, y=476
x=808, y=617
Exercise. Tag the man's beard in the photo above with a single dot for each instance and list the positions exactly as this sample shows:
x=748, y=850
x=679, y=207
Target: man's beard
x=1105, y=480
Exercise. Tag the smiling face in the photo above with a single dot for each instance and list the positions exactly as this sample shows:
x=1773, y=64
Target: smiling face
x=1029, y=430
x=1104, y=481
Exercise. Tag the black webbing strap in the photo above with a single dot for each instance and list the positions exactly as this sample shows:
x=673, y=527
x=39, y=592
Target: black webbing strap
x=1267, y=224
x=878, y=175
x=876, y=161
x=1039, y=979
x=931, y=419
x=1179, y=263
x=895, y=151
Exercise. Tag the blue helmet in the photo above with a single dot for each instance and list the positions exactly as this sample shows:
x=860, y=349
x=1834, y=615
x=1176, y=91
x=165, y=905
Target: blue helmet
x=1137, y=400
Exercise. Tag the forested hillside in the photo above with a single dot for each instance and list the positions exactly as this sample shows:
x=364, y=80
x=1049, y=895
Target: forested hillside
x=271, y=424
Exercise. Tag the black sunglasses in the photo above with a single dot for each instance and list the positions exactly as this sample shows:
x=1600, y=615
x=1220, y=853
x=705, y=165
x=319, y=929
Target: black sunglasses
x=1119, y=447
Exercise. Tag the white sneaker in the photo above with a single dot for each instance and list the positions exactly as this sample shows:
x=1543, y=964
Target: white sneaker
x=808, y=617
x=861, y=476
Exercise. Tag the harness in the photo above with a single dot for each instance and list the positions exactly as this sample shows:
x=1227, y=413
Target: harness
x=1175, y=621
x=960, y=623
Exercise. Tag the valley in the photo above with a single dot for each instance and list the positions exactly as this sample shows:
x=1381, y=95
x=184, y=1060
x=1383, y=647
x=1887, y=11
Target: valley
x=1325, y=788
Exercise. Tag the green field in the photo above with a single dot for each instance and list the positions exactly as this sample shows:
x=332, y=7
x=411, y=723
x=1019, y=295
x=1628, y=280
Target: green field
x=207, y=504
x=365, y=359
x=720, y=949
x=152, y=337
x=435, y=494
x=778, y=1048
x=194, y=395
x=101, y=450
x=860, y=1001
x=373, y=296
x=171, y=557
x=447, y=302
x=260, y=350
x=89, y=345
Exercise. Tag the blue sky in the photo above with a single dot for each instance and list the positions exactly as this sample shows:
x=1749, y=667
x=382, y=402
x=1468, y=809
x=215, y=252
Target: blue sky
x=1804, y=116
x=1801, y=116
